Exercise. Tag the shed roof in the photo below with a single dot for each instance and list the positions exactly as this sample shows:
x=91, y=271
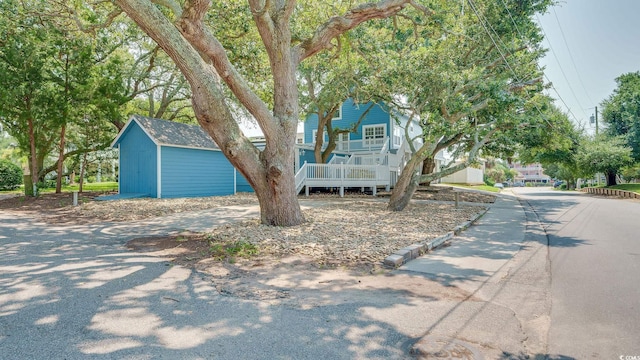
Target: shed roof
x=170, y=133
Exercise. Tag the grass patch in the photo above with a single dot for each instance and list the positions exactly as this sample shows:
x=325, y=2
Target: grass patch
x=628, y=187
x=101, y=186
x=230, y=250
x=19, y=190
x=107, y=186
x=476, y=187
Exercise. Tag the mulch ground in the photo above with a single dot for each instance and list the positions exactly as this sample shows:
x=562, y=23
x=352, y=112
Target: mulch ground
x=187, y=248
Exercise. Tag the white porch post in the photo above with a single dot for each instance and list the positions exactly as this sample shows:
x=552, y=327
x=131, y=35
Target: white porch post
x=341, y=180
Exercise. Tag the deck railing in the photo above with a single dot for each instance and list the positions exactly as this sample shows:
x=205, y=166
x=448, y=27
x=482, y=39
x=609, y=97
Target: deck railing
x=369, y=145
x=301, y=177
x=342, y=175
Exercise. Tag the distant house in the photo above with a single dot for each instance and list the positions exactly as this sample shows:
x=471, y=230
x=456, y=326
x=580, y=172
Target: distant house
x=165, y=159
x=530, y=173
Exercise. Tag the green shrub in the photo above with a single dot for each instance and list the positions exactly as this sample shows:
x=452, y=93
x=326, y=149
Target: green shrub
x=47, y=184
x=10, y=175
x=563, y=187
x=488, y=181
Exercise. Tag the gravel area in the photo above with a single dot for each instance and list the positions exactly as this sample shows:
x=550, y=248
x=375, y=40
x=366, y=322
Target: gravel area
x=356, y=229
x=138, y=209
x=359, y=231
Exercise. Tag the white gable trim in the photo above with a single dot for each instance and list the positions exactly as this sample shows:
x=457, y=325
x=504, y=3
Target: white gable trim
x=126, y=126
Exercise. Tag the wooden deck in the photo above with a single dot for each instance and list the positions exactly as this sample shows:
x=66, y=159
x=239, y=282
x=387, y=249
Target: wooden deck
x=343, y=176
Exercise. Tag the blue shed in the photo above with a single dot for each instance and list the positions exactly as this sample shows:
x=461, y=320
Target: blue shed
x=166, y=159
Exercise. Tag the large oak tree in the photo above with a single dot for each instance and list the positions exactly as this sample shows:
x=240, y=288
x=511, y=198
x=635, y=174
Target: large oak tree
x=186, y=31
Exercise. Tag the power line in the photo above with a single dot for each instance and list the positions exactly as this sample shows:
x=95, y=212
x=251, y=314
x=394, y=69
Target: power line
x=560, y=67
x=571, y=56
x=484, y=26
x=513, y=21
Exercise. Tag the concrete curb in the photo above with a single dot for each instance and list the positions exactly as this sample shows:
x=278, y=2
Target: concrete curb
x=611, y=192
x=406, y=254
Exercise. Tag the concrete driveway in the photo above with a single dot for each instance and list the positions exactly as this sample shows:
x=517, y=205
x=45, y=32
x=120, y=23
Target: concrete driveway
x=74, y=292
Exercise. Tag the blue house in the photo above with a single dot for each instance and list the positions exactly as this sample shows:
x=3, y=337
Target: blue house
x=372, y=156
x=380, y=128
x=165, y=159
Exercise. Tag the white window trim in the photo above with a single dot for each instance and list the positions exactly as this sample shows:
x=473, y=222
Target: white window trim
x=343, y=144
x=372, y=141
x=339, y=117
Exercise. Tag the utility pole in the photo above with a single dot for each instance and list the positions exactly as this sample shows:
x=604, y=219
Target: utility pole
x=595, y=118
x=596, y=121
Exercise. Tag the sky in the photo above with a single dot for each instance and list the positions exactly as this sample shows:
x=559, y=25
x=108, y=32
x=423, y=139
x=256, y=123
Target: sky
x=591, y=43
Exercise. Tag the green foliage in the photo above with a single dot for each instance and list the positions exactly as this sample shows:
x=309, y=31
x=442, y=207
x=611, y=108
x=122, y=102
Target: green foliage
x=603, y=155
x=10, y=175
x=621, y=112
x=489, y=180
x=456, y=79
x=631, y=173
x=48, y=80
x=497, y=171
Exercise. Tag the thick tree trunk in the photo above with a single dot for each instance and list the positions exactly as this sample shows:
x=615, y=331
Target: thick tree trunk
x=60, y=159
x=270, y=171
x=33, y=157
x=406, y=186
x=611, y=178
x=428, y=166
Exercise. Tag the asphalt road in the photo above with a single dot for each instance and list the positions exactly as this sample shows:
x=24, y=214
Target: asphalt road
x=594, y=250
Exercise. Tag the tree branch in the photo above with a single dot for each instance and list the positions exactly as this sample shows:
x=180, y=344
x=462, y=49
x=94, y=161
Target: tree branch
x=192, y=28
x=338, y=25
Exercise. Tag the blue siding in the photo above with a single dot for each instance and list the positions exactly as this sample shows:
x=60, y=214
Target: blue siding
x=308, y=157
x=138, y=157
x=350, y=114
x=242, y=185
x=193, y=172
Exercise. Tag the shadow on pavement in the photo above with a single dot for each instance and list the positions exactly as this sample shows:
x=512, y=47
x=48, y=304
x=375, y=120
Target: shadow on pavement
x=82, y=295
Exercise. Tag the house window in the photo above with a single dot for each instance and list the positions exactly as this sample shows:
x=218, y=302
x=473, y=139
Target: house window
x=343, y=142
x=338, y=114
x=374, y=134
x=397, y=136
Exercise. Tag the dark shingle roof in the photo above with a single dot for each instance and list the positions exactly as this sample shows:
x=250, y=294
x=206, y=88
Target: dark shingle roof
x=169, y=133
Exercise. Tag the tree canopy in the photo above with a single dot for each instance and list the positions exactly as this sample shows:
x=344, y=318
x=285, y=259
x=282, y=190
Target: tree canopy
x=604, y=155
x=621, y=111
